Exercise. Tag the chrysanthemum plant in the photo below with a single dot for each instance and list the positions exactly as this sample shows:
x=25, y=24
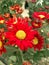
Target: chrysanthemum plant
x=24, y=32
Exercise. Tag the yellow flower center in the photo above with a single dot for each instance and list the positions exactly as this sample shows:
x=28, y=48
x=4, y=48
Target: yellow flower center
x=20, y=34
x=1, y=44
x=41, y=16
x=35, y=41
x=35, y=24
x=1, y=21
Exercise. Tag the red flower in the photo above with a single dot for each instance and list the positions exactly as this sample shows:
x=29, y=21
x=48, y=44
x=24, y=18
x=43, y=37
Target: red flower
x=2, y=48
x=37, y=41
x=17, y=8
x=2, y=20
x=2, y=42
x=20, y=36
x=36, y=24
x=40, y=15
x=12, y=22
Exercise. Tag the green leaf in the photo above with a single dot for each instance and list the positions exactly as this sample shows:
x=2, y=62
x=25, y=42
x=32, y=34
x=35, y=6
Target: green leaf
x=1, y=63
x=12, y=58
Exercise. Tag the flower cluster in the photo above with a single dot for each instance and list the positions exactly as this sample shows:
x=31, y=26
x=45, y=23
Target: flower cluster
x=39, y=18
x=22, y=32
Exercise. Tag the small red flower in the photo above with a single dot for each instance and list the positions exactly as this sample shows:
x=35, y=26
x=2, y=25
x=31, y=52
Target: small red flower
x=2, y=20
x=36, y=24
x=2, y=48
x=17, y=8
x=37, y=41
x=39, y=15
x=2, y=42
x=20, y=36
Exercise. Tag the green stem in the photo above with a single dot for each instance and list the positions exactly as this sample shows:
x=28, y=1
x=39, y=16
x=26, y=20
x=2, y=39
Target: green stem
x=21, y=55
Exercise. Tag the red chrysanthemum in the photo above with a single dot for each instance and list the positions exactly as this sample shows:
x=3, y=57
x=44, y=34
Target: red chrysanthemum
x=37, y=41
x=36, y=24
x=2, y=42
x=39, y=15
x=20, y=36
x=2, y=20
